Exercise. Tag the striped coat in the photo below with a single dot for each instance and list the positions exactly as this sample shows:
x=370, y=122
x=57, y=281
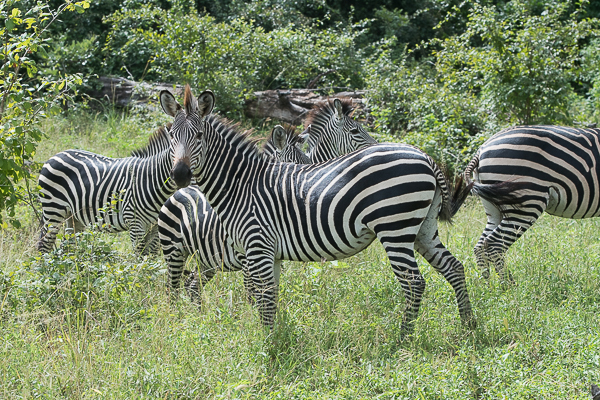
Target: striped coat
x=522, y=172
x=330, y=210
x=121, y=194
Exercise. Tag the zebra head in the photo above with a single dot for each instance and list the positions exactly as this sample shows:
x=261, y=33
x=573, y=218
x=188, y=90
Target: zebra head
x=333, y=132
x=185, y=131
x=351, y=135
x=283, y=146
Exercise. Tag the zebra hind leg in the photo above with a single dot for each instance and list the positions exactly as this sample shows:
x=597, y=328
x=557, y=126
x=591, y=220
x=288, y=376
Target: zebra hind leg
x=404, y=265
x=511, y=228
x=494, y=216
x=428, y=244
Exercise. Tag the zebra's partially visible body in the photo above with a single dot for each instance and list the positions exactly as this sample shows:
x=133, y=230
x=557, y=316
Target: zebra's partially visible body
x=522, y=172
x=333, y=132
x=330, y=210
x=188, y=226
x=83, y=188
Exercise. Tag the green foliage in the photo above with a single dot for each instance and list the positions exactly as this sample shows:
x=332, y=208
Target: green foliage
x=232, y=58
x=523, y=64
x=510, y=66
x=82, y=274
x=26, y=94
x=411, y=104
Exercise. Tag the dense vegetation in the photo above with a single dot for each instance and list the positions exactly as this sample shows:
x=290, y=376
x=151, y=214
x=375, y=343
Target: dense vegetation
x=91, y=320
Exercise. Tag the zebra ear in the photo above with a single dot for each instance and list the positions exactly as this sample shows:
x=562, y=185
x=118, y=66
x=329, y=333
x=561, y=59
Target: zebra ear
x=279, y=137
x=168, y=103
x=303, y=137
x=206, y=103
x=337, y=103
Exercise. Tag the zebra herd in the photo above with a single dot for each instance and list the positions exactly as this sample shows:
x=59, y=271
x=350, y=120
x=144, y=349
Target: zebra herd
x=239, y=207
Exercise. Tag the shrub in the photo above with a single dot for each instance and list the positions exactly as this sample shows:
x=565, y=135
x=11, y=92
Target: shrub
x=232, y=58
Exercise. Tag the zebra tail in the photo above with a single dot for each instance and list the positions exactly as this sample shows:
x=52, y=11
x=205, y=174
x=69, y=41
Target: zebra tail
x=502, y=194
x=441, y=176
x=464, y=185
x=462, y=189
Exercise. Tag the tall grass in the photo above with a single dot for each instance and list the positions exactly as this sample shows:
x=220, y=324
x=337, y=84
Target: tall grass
x=93, y=321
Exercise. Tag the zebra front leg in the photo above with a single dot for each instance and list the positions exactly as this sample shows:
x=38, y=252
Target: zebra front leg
x=428, y=244
x=264, y=275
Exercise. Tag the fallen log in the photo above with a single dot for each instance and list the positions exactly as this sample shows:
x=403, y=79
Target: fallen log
x=127, y=93
x=292, y=105
x=289, y=105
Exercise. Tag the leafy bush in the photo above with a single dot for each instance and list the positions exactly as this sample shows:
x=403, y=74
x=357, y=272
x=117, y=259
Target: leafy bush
x=26, y=94
x=523, y=64
x=232, y=58
x=84, y=273
x=509, y=67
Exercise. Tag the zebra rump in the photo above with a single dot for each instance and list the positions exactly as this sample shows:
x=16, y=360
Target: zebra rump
x=524, y=171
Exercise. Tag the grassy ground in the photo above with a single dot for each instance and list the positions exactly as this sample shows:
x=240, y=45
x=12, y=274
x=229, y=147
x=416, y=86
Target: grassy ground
x=93, y=321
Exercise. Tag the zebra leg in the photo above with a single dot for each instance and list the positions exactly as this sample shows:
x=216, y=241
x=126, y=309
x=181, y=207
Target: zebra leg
x=494, y=216
x=428, y=244
x=404, y=265
x=50, y=227
x=195, y=281
x=264, y=276
x=513, y=225
x=248, y=285
x=175, y=255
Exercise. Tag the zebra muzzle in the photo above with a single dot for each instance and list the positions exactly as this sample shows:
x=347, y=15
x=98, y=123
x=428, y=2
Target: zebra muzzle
x=182, y=174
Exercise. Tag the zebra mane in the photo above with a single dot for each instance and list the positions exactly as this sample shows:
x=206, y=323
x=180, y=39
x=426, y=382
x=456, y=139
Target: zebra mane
x=321, y=114
x=231, y=133
x=158, y=142
x=323, y=110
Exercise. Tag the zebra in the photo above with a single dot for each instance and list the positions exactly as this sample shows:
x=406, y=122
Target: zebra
x=81, y=187
x=522, y=172
x=332, y=132
x=188, y=226
x=330, y=210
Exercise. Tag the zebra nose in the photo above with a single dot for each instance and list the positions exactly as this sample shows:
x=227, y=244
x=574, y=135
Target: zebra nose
x=182, y=175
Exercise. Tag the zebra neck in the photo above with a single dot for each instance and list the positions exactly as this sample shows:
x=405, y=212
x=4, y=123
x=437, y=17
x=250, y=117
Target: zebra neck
x=156, y=171
x=227, y=179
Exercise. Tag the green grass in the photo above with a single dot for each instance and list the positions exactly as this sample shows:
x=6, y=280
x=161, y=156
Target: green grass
x=94, y=321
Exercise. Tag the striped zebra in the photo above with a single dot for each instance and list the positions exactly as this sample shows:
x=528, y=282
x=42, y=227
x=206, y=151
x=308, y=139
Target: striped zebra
x=330, y=210
x=521, y=172
x=333, y=132
x=83, y=188
x=188, y=226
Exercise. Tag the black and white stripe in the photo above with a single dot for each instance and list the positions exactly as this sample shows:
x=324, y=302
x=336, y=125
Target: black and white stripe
x=188, y=226
x=330, y=210
x=522, y=172
x=333, y=132
x=121, y=194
